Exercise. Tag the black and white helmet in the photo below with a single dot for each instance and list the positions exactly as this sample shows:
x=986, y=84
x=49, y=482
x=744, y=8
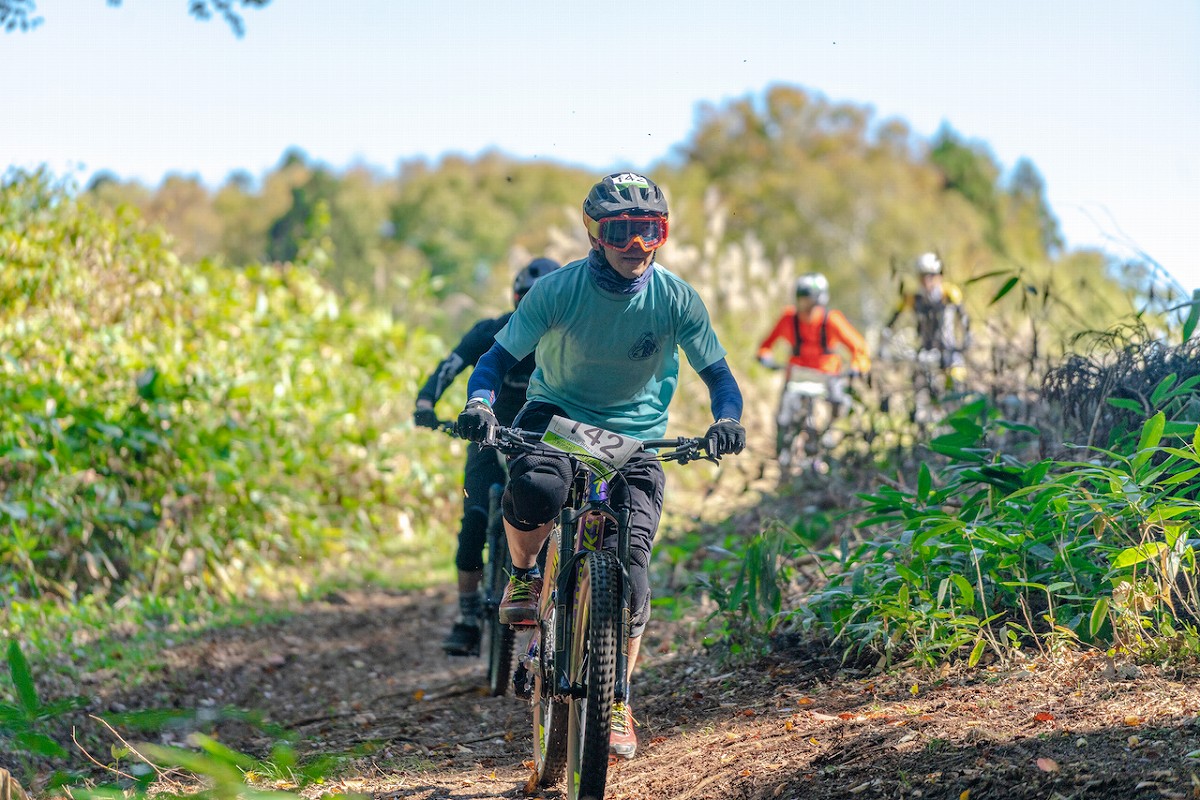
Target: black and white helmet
x=928, y=264
x=814, y=285
x=530, y=274
x=623, y=193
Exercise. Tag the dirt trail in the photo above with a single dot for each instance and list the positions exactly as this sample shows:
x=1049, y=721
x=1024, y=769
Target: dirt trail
x=363, y=673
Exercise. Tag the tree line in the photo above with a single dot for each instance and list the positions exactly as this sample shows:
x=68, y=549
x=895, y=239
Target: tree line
x=807, y=183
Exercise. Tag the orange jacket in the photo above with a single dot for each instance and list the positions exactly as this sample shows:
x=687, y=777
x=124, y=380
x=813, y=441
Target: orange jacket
x=811, y=353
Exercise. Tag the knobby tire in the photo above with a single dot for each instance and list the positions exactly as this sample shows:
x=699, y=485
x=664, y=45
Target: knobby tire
x=594, y=661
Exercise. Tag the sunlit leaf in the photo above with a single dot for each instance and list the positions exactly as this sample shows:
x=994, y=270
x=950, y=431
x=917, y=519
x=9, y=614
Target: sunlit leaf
x=1099, y=615
x=1136, y=555
x=976, y=652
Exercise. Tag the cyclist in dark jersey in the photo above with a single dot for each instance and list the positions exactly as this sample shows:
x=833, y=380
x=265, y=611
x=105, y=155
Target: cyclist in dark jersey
x=483, y=469
x=943, y=327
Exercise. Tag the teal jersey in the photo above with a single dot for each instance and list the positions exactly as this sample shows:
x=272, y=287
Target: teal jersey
x=606, y=359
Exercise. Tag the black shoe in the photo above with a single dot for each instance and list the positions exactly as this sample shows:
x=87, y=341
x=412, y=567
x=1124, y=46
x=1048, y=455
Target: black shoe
x=463, y=640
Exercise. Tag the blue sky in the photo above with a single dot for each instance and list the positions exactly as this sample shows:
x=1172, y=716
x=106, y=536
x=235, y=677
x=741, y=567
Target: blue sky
x=1104, y=97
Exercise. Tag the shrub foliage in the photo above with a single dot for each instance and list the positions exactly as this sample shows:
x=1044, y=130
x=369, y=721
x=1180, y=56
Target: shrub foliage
x=166, y=423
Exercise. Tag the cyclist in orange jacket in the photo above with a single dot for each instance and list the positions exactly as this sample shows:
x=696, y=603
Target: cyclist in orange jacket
x=813, y=331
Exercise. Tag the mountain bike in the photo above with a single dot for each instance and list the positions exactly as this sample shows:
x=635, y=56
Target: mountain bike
x=498, y=640
x=577, y=659
x=804, y=422
x=929, y=386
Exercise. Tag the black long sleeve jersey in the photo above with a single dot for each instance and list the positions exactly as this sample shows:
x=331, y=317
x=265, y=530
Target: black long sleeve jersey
x=475, y=343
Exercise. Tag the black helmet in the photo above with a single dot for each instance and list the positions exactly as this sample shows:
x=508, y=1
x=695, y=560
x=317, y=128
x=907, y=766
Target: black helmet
x=623, y=193
x=529, y=275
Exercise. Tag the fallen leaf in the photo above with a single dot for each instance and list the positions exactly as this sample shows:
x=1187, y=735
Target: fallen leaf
x=966, y=795
x=914, y=690
x=1044, y=716
x=1132, y=720
x=419, y=695
x=787, y=726
x=804, y=701
x=1047, y=765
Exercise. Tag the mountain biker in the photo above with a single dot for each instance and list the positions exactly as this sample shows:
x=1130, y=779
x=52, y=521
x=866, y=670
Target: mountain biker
x=813, y=330
x=482, y=469
x=943, y=327
x=607, y=330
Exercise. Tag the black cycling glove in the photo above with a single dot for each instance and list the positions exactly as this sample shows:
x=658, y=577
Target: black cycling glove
x=425, y=418
x=476, y=421
x=725, y=436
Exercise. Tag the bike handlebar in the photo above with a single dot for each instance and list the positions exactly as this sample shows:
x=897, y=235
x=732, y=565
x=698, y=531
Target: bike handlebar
x=848, y=373
x=448, y=427
x=513, y=441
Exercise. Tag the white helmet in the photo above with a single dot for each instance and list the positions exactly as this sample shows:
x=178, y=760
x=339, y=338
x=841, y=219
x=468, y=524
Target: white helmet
x=928, y=264
x=814, y=285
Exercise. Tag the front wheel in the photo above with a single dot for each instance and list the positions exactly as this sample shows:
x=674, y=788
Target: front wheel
x=593, y=672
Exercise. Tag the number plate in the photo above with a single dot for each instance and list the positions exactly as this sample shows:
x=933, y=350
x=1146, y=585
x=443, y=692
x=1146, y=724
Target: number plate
x=603, y=451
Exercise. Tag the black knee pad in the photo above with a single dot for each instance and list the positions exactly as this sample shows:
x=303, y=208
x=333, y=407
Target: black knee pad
x=537, y=489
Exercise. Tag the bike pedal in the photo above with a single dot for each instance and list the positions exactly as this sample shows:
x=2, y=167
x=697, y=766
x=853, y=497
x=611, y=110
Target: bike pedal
x=522, y=683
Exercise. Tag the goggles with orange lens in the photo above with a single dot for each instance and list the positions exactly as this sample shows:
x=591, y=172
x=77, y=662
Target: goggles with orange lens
x=623, y=232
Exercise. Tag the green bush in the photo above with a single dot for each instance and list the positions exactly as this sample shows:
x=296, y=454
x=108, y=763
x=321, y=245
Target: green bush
x=993, y=553
x=168, y=426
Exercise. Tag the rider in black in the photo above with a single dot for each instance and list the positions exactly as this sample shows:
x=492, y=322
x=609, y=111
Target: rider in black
x=943, y=326
x=483, y=469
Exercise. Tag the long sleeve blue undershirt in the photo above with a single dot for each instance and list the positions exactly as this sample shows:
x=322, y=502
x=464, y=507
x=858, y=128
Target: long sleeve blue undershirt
x=724, y=395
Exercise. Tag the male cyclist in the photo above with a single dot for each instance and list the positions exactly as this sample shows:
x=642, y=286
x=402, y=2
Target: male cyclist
x=483, y=469
x=607, y=330
x=943, y=327
x=813, y=331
